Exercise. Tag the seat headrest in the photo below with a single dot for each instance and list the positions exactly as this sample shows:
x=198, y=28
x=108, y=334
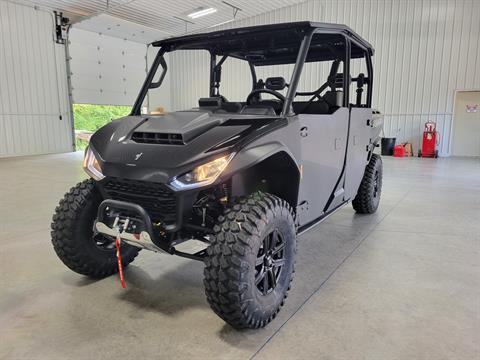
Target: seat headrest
x=275, y=83
x=233, y=107
x=210, y=102
x=337, y=80
x=334, y=98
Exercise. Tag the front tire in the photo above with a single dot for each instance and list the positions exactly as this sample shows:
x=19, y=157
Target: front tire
x=368, y=195
x=73, y=237
x=250, y=262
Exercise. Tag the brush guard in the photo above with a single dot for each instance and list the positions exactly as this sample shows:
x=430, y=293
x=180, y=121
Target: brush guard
x=124, y=228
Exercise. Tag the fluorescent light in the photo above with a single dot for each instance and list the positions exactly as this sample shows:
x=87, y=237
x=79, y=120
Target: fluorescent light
x=222, y=23
x=202, y=12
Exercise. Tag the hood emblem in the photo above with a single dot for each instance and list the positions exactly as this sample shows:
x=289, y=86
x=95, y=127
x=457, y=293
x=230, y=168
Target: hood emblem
x=138, y=156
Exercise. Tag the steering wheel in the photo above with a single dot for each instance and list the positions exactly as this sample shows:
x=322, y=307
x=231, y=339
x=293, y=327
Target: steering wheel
x=255, y=92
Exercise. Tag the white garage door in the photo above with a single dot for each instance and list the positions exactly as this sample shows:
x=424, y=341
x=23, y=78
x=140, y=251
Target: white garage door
x=105, y=70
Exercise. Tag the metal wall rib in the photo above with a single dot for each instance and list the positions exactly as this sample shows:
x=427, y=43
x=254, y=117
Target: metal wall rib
x=34, y=109
x=425, y=50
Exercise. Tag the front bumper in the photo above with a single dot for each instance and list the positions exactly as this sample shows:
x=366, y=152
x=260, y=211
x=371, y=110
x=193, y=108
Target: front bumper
x=145, y=237
x=134, y=226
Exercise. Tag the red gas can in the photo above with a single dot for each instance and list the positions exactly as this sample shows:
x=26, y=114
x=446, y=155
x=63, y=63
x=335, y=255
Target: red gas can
x=430, y=141
x=399, y=151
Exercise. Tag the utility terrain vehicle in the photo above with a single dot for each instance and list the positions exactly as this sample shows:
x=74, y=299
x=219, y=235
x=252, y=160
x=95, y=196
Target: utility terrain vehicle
x=243, y=178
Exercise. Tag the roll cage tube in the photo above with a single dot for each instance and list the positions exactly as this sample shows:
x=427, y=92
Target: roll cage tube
x=148, y=83
x=297, y=70
x=370, y=79
x=215, y=72
x=302, y=55
x=215, y=77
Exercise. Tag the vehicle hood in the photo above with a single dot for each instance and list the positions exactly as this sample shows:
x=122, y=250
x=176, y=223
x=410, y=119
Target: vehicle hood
x=199, y=136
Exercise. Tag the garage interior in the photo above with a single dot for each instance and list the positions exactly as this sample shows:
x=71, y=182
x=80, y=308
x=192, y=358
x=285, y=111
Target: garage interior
x=403, y=283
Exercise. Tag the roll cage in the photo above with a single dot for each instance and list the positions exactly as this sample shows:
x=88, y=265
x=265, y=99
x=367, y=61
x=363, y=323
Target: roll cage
x=288, y=43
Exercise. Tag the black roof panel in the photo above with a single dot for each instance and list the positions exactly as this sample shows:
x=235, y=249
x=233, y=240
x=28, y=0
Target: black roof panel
x=272, y=44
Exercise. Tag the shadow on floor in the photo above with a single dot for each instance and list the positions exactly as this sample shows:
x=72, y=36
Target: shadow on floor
x=172, y=292
x=78, y=281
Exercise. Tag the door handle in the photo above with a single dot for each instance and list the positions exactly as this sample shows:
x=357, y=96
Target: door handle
x=304, y=131
x=338, y=143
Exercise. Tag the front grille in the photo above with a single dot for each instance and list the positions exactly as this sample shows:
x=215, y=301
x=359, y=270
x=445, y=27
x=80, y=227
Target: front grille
x=157, y=138
x=157, y=199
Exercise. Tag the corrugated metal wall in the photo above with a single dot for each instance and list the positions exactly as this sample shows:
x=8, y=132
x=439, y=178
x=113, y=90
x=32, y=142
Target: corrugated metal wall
x=425, y=49
x=105, y=70
x=34, y=108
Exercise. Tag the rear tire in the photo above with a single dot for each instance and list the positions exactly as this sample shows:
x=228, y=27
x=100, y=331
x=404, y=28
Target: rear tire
x=72, y=234
x=369, y=192
x=254, y=240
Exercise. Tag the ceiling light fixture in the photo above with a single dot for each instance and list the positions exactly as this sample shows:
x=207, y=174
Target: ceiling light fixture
x=235, y=9
x=222, y=23
x=201, y=12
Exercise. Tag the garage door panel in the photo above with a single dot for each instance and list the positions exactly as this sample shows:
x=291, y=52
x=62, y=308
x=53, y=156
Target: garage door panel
x=92, y=68
x=106, y=97
x=111, y=76
x=105, y=70
x=83, y=51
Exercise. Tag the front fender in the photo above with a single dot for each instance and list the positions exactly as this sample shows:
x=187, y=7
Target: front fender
x=255, y=154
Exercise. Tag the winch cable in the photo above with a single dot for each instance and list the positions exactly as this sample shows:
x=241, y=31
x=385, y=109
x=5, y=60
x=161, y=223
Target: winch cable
x=119, y=261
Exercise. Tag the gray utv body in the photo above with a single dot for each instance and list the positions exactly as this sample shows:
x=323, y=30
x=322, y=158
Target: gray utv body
x=314, y=159
x=243, y=178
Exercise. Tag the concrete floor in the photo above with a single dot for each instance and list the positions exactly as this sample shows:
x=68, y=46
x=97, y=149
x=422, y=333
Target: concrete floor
x=401, y=284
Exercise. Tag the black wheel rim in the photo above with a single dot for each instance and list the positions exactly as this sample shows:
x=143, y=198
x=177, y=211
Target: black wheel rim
x=376, y=184
x=269, y=262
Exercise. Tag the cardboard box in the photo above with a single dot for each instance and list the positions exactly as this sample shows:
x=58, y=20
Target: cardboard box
x=158, y=111
x=408, y=149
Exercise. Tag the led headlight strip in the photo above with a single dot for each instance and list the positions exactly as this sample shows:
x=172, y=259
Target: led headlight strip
x=202, y=175
x=92, y=166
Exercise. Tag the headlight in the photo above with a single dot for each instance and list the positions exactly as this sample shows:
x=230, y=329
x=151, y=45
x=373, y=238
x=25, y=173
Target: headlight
x=91, y=165
x=202, y=175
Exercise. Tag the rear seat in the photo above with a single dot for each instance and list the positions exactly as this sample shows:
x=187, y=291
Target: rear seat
x=331, y=101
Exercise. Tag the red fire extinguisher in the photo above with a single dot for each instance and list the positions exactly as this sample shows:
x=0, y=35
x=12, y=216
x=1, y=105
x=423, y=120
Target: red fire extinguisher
x=430, y=141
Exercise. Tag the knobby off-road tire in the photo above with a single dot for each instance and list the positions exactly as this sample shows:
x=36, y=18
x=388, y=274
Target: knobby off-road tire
x=246, y=242
x=72, y=234
x=368, y=195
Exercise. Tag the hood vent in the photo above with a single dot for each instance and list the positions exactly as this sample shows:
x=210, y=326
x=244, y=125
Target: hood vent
x=157, y=138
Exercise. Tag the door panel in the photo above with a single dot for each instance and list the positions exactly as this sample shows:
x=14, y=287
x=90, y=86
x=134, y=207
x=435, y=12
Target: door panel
x=323, y=142
x=360, y=137
x=466, y=125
